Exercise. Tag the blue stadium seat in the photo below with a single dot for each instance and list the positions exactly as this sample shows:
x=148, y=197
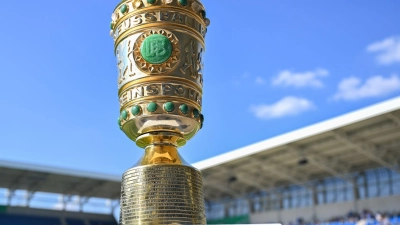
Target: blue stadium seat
x=349, y=223
x=75, y=222
x=12, y=219
x=394, y=220
x=102, y=223
x=8, y=219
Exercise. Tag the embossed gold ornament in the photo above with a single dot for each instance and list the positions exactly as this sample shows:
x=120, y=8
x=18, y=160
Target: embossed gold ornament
x=155, y=67
x=159, y=46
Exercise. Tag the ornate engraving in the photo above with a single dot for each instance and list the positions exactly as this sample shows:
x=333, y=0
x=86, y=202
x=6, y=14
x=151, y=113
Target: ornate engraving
x=173, y=17
x=125, y=60
x=160, y=89
x=164, y=67
x=159, y=193
x=193, y=61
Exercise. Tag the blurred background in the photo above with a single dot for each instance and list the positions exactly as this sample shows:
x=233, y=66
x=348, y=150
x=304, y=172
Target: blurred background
x=300, y=101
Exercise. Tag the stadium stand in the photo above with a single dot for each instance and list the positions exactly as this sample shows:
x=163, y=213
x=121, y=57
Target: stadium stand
x=31, y=220
x=30, y=216
x=101, y=223
x=336, y=172
x=367, y=219
x=75, y=221
x=36, y=180
x=345, y=164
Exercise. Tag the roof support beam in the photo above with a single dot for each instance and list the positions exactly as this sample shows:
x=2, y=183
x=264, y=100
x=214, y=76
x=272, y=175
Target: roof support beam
x=82, y=201
x=10, y=196
x=247, y=179
x=368, y=150
x=221, y=188
x=208, y=194
x=330, y=165
x=65, y=200
x=394, y=159
x=28, y=197
x=66, y=190
x=92, y=188
x=254, y=182
x=244, y=178
x=36, y=185
x=114, y=204
x=14, y=184
x=280, y=171
x=394, y=118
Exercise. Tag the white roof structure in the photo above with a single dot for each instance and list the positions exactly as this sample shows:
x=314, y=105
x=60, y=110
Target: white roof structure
x=34, y=178
x=354, y=142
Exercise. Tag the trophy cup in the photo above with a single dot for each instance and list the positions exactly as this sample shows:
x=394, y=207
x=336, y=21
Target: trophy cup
x=159, y=46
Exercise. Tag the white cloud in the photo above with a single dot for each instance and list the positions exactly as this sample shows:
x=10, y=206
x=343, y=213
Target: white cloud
x=302, y=79
x=287, y=106
x=353, y=88
x=238, y=80
x=388, y=50
x=260, y=81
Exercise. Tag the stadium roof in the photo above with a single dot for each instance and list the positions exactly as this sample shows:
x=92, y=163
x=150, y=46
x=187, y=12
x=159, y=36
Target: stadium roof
x=20, y=176
x=360, y=140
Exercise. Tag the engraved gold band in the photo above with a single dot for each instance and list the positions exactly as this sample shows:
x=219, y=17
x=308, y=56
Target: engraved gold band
x=157, y=78
x=164, y=194
x=143, y=27
x=153, y=8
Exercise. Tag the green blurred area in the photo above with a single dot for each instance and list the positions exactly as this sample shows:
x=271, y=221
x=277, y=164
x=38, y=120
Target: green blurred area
x=3, y=208
x=231, y=220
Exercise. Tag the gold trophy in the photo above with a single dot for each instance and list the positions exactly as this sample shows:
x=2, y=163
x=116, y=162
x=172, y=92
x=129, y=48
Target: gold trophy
x=159, y=46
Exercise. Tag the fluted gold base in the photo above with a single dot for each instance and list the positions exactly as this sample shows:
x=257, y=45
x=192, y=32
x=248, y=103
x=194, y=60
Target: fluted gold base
x=162, y=194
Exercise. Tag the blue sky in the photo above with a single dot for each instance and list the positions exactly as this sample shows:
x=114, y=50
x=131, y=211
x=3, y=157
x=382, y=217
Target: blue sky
x=270, y=67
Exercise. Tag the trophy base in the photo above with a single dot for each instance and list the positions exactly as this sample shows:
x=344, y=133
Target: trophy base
x=162, y=194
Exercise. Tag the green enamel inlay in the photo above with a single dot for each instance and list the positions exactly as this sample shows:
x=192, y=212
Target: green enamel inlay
x=169, y=106
x=183, y=2
x=123, y=8
x=124, y=114
x=201, y=120
x=111, y=25
x=184, y=108
x=151, y=1
x=196, y=113
x=156, y=49
x=203, y=14
x=152, y=107
x=119, y=121
x=136, y=110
